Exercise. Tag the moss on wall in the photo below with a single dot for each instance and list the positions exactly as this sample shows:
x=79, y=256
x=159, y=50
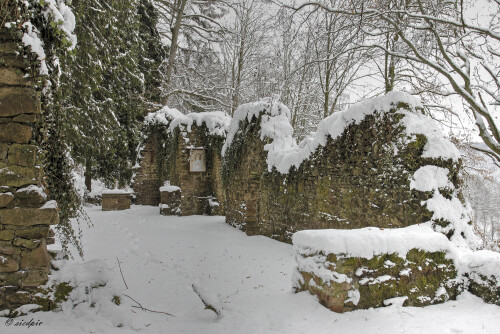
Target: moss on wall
x=360, y=179
x=424, y=278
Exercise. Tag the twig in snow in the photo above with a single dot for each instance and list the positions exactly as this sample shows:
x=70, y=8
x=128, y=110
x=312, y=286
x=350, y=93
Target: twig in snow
x=146, y=309
x=121, y=272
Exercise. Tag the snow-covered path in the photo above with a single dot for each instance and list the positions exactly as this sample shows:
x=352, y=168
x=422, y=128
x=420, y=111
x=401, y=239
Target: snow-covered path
x=248, y=277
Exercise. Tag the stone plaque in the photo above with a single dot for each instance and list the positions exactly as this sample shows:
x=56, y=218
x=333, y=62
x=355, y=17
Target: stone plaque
x=197, y=161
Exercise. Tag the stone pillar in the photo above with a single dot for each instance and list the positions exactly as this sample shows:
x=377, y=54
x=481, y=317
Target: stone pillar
x=25, y=214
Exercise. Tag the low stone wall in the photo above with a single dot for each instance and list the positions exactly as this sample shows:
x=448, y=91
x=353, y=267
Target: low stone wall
x=171, y=199
x=113, y=201
x=25, y=214
x=373, y=268
x=415, y=266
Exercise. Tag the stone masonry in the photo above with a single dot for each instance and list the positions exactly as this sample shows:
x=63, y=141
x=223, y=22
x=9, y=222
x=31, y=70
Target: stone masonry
x=25, y=214
x=165, y=157
x=358, y=180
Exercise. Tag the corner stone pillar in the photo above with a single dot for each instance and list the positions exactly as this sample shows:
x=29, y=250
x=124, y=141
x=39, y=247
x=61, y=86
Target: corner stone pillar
x=25, y=214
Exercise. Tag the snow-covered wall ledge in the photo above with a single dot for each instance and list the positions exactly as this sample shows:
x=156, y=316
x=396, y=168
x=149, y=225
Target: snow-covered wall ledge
x=382, y=163
x=371, y=267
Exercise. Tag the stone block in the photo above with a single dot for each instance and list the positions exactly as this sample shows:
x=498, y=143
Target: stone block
x=6, y=199
x=9, y=47
x=7, y=235
x=26, y=243
x=7, y=248
x=115, y=202
x=25, y=118
x=29, y=216
x=17, y=176
x=4, y=148
x=9, y=263
x=30, y=197
x=36, y=258
x=13, y=278
x=15, y=133
x=11, y=60
x=35, y=278
x=17, y=101
x=14, y=77
x=23, y=155
x=10, y=35
x=50, y=241
x=17, y=297
x=35, y=232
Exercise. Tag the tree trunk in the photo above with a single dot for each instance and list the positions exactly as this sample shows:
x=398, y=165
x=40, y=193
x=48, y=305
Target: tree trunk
x=88, y=175
x=175, y=29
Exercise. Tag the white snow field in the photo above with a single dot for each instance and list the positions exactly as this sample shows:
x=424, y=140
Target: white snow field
x=247, y=279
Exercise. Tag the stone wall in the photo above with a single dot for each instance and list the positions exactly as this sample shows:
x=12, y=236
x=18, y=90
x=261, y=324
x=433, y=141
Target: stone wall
x=165, y=157
x=146, y=180
x=25, y=216
x=361, y=178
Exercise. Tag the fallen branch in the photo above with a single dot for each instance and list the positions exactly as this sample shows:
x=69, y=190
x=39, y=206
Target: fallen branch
x=121, y=272
x=208, y=306
x=146, y=309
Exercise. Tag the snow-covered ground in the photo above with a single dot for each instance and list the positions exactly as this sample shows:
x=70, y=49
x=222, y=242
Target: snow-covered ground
x=248, y=278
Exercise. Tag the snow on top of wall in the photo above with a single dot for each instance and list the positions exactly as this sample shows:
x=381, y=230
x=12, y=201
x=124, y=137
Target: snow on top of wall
x=284, y=152
x=483, y=262
x=115, y=192
x=217, y=122
x=169, y=188
x=429, y=178
x=437, y=145
x=371, y=241
x=32, y=189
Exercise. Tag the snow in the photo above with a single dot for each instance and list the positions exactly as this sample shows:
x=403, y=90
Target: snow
x=162, y=257
x=396, y=301
x=116, y=191
x=429, y=178
x=371, y=241
x=453, y=211
x=284, y=152
x=437, y=146
x=484, y=262
x=169, y=188
x=217, y=122
x=49, y=205
x=31, y=38
x=32, y=189
x=60, y=13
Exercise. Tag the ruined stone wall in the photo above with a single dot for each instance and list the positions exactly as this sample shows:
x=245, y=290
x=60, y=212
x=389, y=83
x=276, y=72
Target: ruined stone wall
x=25, y=217
x=171, y=163
x=360, y=179
x=146, y=180
x=244, y=167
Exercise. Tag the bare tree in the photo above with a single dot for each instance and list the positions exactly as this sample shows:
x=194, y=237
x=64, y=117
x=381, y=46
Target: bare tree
x=438, y=35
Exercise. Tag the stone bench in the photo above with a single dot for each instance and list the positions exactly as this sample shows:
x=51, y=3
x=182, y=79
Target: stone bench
x=115, y=200
x=170, y=200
